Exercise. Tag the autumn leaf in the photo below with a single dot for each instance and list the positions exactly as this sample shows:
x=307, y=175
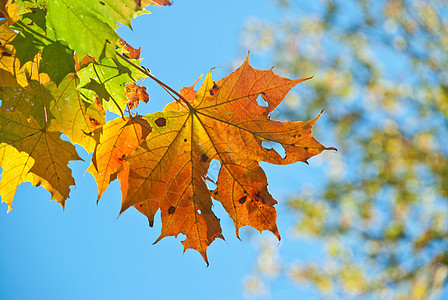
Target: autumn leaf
x=221, y=121
x=128, y=50
x=135, y=94
x=79, y=120
x=43, y=153
x=16, y=166
x=120, y=137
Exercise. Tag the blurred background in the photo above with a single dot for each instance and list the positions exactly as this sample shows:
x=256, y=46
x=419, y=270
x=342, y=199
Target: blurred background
x=366, y=222
x=379, y=208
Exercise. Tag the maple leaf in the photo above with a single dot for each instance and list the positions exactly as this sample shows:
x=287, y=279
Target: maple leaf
x=120, y=137
x=222, y=121
x=16, y=166
x=135, y=94
x=78, y=120
x=89, y=27
x=57, y=69
x=39, y=155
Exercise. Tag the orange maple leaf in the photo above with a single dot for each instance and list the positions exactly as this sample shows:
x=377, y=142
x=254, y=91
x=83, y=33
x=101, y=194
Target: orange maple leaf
x=221, y=121
x=120, y=137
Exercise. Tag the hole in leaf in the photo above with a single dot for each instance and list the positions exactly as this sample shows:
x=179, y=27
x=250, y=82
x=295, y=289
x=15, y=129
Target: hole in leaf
x=161, y=122
x=171, y=210
x=276, y=146
x=199, y=211
x=261, y=101
x=212, y=174
x=266, y=145
x=242, y=200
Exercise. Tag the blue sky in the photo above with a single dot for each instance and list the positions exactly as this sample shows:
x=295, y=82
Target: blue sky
x=85, y=252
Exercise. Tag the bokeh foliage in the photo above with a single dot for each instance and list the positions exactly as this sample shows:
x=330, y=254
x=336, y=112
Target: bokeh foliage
x=381, y=73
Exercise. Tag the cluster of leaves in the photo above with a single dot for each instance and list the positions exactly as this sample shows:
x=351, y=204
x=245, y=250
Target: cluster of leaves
x=383, y=214
x=62, y=66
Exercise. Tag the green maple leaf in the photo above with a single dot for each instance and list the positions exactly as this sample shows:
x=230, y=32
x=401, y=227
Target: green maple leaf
x=89, y=27
x=57, y=68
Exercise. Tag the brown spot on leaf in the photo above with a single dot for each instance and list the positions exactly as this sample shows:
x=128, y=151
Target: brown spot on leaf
x=6, y=54
x=213, y=90
x=204, y=158
x=242, y=200
x=306, y=148
x=94, y=122
x=185, y=140
x=171, y=210
x=161, y=122
x=259, y=198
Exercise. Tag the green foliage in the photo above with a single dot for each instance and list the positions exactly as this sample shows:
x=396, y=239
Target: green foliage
x=380, y=70
x=41, y=90
x=82, y=27
x=108, y=78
